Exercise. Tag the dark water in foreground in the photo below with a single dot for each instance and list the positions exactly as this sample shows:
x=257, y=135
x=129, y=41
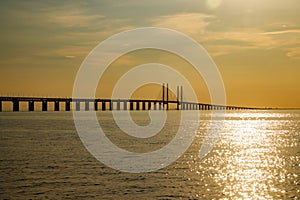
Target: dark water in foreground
x=256, y=157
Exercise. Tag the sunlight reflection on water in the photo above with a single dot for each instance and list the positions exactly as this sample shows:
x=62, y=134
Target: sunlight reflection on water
x=256, y=157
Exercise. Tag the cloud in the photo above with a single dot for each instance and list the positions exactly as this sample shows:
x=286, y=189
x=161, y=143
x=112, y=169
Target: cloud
x=222, y=41
x=293, y=52
x=282, y=32
x=198, y=26
x=75, y=18
x=254, y=39
x=59, y=31
x=70, y=56
x=189, y=23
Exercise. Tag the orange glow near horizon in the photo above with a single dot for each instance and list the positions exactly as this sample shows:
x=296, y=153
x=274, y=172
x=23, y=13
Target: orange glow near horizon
x=255, y=45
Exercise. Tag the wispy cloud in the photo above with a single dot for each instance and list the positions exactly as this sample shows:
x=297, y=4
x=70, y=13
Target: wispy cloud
x=281, y=32
x=69, y=56
x=189, y=23
x=72, y=30
x=199, y=26
x=75, y=18
x=293, y=52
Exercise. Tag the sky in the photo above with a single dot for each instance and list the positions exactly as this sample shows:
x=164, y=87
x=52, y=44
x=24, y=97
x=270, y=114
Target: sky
x=255, y=44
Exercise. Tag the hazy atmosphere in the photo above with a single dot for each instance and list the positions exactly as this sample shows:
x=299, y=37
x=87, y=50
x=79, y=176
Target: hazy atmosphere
x=140, y=99
x=255, y=44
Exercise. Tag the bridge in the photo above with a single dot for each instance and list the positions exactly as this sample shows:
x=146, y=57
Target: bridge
x=115, y=104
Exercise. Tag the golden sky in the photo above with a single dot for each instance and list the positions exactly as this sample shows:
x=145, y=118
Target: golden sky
x=255, y=44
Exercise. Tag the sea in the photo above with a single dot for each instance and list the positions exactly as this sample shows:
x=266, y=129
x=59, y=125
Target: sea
x=257, y=156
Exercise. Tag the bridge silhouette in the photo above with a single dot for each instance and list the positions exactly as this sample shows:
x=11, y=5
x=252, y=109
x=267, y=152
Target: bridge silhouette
x=115, y=104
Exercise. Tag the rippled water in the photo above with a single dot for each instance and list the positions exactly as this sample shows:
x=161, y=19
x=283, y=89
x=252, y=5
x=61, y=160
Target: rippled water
x=256, y=157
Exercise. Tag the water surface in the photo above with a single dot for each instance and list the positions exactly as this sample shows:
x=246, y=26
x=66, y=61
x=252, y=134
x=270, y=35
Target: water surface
x=256, y=157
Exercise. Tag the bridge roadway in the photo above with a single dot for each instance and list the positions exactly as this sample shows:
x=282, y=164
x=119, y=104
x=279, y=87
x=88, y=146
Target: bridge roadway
x=111, y=104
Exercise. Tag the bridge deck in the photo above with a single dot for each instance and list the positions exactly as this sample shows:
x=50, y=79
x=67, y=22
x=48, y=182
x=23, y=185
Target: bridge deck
x=151, y=104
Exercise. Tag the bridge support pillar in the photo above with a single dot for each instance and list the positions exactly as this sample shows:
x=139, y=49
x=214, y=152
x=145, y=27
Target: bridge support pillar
x=137, y=105
x=159, y=106
x=144, y=105
x=0, y=106
x=96, y=105
x=154, y=105
x=44, y=105
x=68, y=106
x=118, y=105
x=56, y=106
x=111, y=105
x=131, y=105
x=149, y=105
x=124, y=105
x=87, y=106
x=103, y=105
x=77, y=105
x=15, y=105
x=30, y=105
